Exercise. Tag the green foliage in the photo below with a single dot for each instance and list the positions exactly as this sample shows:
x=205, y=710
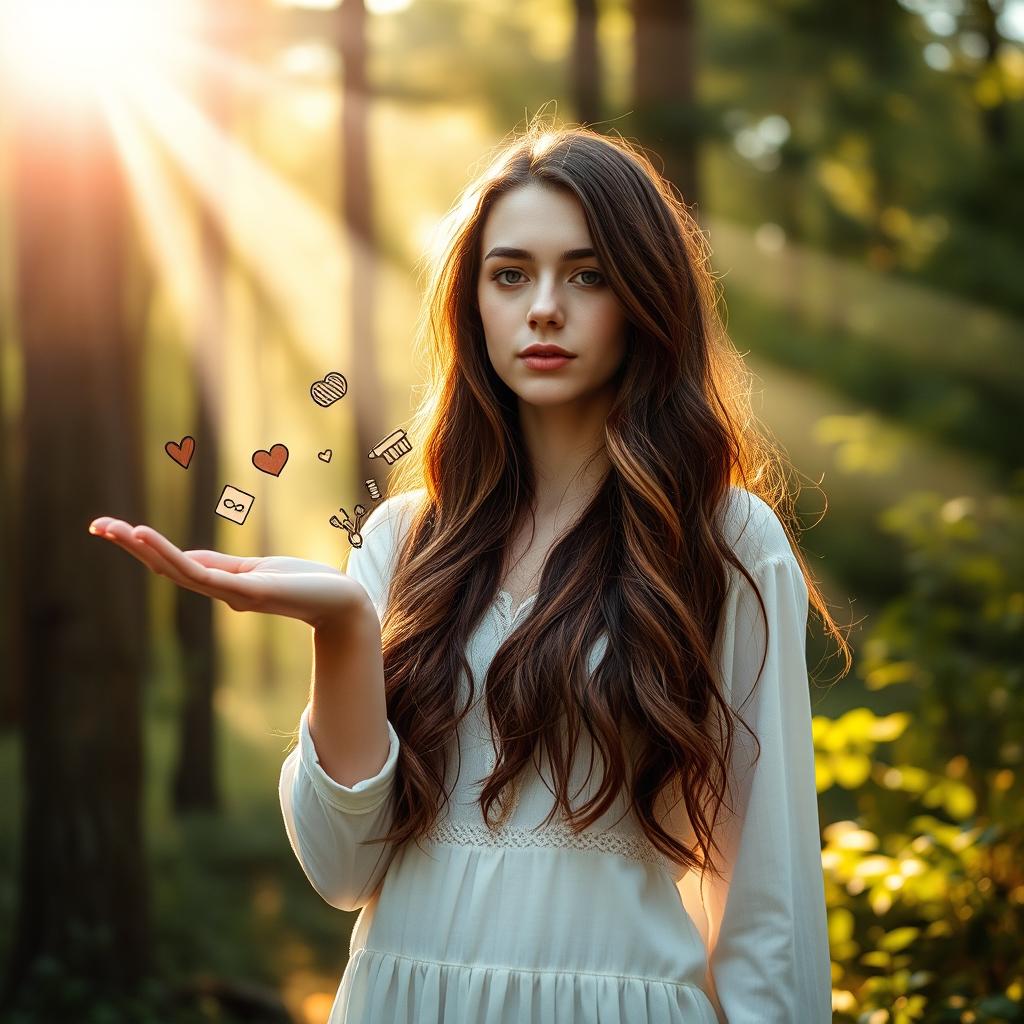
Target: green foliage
x=56, y=991
x=938, y=396
x=925, y=881
x=234, y=920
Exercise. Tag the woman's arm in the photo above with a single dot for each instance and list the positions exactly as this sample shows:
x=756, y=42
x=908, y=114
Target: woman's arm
x=336, y=786
x=765, y=924
x=326, y=820
x=348, y=713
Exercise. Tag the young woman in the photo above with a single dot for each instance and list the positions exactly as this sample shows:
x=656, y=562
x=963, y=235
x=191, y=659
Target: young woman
x=586, y=558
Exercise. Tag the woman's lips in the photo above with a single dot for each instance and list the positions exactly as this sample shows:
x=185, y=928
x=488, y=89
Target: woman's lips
x=551, y=362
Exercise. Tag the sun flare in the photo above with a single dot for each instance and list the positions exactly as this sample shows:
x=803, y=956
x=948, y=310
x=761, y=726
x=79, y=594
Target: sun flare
x=68, y=48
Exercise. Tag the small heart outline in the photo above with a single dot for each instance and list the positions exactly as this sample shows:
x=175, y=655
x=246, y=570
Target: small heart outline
x=326, y=455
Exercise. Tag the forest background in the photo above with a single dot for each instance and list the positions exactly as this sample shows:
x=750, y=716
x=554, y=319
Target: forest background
x=206, y=206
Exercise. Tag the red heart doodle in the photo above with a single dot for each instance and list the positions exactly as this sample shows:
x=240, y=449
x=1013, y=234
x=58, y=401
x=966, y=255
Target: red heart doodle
x=181, y=453
x=271, y=462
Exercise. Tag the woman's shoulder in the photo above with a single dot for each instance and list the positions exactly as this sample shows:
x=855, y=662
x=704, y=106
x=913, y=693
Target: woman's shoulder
x=373, y=561
x=389, y=518
x=752, y=528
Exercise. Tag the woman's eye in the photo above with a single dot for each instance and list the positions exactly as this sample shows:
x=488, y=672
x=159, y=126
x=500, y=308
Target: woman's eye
x=509, y=270
x=512, y=270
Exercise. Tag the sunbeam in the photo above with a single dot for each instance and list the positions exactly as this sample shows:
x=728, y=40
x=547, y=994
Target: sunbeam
x=241, y=76
x=167, y=226
x=292, y=246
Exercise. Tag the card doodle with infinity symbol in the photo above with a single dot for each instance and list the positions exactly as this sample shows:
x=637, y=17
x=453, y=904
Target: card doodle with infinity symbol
x=234, y=504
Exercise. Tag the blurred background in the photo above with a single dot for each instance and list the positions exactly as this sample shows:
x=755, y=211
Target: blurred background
x=209, y=206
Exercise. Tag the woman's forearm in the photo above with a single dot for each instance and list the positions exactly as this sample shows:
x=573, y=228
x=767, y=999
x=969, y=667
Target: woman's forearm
x=348, y=712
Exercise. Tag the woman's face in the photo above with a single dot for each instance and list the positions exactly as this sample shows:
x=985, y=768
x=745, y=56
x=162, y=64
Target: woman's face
x=536, y=296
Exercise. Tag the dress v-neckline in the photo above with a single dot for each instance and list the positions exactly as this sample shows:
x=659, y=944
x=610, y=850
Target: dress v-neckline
x=508, y=600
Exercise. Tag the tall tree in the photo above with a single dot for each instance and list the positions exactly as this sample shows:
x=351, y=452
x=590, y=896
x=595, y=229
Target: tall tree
x=10, y=548
x=82, y=891
x=357, y=219
x=664, y=86
x=982, y=17
x=195, y=784
x=586, y=63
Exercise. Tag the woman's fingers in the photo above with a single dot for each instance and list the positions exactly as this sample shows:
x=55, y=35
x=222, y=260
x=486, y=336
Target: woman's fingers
x=201, y=575
x=220, y=560
x=212, y=583
x=187, y=572
x=154, y=556
x=148, y=555
x=182, y=569
x=171, y=554
x=123, y=535
x=157, y=558
x=120, y=533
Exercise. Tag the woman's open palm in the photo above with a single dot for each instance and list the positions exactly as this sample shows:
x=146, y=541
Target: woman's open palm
x=314, y=592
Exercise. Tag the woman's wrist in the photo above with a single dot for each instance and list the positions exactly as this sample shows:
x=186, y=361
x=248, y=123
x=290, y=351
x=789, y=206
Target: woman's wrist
x=339, y=625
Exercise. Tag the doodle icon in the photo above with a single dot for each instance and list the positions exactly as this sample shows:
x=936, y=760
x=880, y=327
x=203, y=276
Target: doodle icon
x=371, y=486
x=272, y=461
x=393, y=447
x=182, y=451
x=327, y=391
x=234, y=504
x=326, y=455
x=355, y=538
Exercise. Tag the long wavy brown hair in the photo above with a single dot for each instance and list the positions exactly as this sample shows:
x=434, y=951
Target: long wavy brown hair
x=644, y=563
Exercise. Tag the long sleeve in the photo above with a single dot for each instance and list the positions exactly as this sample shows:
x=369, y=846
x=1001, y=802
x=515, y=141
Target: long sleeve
x=325, y=821
x=765, y=924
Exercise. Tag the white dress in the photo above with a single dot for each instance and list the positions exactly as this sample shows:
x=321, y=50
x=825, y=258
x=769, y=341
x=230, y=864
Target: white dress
x=518, y=926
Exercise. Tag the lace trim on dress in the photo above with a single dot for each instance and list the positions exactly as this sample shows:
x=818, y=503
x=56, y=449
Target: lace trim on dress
x=558, y=836
x=553, y=836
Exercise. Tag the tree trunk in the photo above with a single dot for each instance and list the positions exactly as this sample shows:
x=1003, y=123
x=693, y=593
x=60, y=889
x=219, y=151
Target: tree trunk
x=11, y=693
x=82, y=889
x=664, y=87
x=195, y=778
x=265, y=328
x=357, y=220
x=995, y=120
x=586, y=63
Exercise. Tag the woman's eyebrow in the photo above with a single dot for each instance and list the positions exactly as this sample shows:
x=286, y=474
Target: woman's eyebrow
x=508, y=252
